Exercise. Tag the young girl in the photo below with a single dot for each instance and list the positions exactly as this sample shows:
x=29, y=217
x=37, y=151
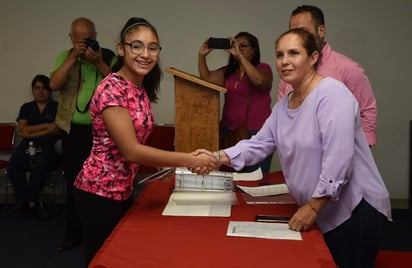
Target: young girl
x=122, y=120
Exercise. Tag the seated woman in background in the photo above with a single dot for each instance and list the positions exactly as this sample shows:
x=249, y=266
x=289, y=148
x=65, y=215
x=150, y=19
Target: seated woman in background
x=36, y=125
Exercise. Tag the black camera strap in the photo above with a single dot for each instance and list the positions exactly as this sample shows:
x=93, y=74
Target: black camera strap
x=86, y=108
x=107, y=55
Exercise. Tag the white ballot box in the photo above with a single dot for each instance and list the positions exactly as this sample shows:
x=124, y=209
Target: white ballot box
x=215, y=181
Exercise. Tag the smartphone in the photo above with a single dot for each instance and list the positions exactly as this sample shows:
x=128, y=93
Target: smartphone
x=272, y=218
x=219, y=43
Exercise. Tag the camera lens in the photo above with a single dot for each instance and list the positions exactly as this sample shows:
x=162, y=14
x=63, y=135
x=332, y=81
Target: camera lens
x=92, y=43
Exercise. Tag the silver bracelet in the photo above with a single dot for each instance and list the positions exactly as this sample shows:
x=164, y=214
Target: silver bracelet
x=217, y=155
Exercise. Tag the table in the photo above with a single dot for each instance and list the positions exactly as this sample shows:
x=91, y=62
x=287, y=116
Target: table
x=145, y=238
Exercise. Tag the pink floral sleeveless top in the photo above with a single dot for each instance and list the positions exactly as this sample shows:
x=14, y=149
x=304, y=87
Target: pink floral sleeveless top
x=105, y=172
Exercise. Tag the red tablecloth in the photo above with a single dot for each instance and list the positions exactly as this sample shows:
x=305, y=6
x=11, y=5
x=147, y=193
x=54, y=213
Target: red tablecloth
x=145, y=238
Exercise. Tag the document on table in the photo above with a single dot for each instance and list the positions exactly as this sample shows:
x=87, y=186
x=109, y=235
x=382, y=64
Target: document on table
x=209, y=204
x=248, y=176
x=262, y=230
x=270, y=199
x=265, y=190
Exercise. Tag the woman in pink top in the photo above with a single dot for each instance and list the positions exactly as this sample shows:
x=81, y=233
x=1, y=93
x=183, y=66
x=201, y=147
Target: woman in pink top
x=248, y=83
x=122, y=120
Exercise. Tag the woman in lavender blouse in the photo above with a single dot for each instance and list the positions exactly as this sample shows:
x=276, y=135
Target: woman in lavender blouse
x=325, y=158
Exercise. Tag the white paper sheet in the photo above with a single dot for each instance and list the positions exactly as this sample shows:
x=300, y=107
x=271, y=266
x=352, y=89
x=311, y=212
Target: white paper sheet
x=265, y=190
x=200, y=204
x=262, y=230
x=248, y=176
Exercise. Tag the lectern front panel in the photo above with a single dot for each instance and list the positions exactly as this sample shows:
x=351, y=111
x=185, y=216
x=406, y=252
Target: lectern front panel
x=196, y=116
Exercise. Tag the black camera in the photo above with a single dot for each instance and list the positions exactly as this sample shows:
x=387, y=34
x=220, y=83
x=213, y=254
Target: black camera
x=219, y=43
x=92, y=43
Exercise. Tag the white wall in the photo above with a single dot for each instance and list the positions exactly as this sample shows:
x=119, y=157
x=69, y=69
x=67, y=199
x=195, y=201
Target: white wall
x=375, y=33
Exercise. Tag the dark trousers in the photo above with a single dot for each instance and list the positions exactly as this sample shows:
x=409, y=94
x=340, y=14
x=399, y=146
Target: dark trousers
x=42, y=165
x=99, y=216
x=76, y=147
x=355, y=243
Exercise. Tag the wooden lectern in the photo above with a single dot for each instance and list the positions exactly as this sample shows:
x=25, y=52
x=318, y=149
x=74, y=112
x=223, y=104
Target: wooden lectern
x=196, y=112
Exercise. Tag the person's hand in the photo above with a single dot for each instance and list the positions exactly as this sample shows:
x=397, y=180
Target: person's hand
x=51, y=127
x=204, y=49
x=54, y=130
x=23, y=134
x=303, y=219
x=220, y=156
x=235, y=50
x=94, y=57
x=203, y=151
x=205, y=162
x=79, y=46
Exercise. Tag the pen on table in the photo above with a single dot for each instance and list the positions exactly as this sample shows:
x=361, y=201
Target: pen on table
x=272, y=218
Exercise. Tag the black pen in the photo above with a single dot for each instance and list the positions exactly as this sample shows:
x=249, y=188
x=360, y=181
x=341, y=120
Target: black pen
x=272, y=218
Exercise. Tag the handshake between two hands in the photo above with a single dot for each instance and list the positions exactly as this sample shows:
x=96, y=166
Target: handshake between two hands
x=206, y=161
x=201, y=162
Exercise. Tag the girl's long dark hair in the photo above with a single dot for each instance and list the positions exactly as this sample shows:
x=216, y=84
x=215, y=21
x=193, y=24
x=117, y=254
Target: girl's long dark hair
x=151, y=81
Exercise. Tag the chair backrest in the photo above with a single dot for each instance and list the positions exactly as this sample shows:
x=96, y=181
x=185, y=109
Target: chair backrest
x=7, y=136
x=162, y=137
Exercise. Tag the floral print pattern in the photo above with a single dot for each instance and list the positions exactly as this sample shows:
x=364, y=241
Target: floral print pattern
x=105, y=172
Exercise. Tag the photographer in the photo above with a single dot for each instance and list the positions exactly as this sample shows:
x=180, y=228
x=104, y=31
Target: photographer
x=248, y=82
x=76, y=73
